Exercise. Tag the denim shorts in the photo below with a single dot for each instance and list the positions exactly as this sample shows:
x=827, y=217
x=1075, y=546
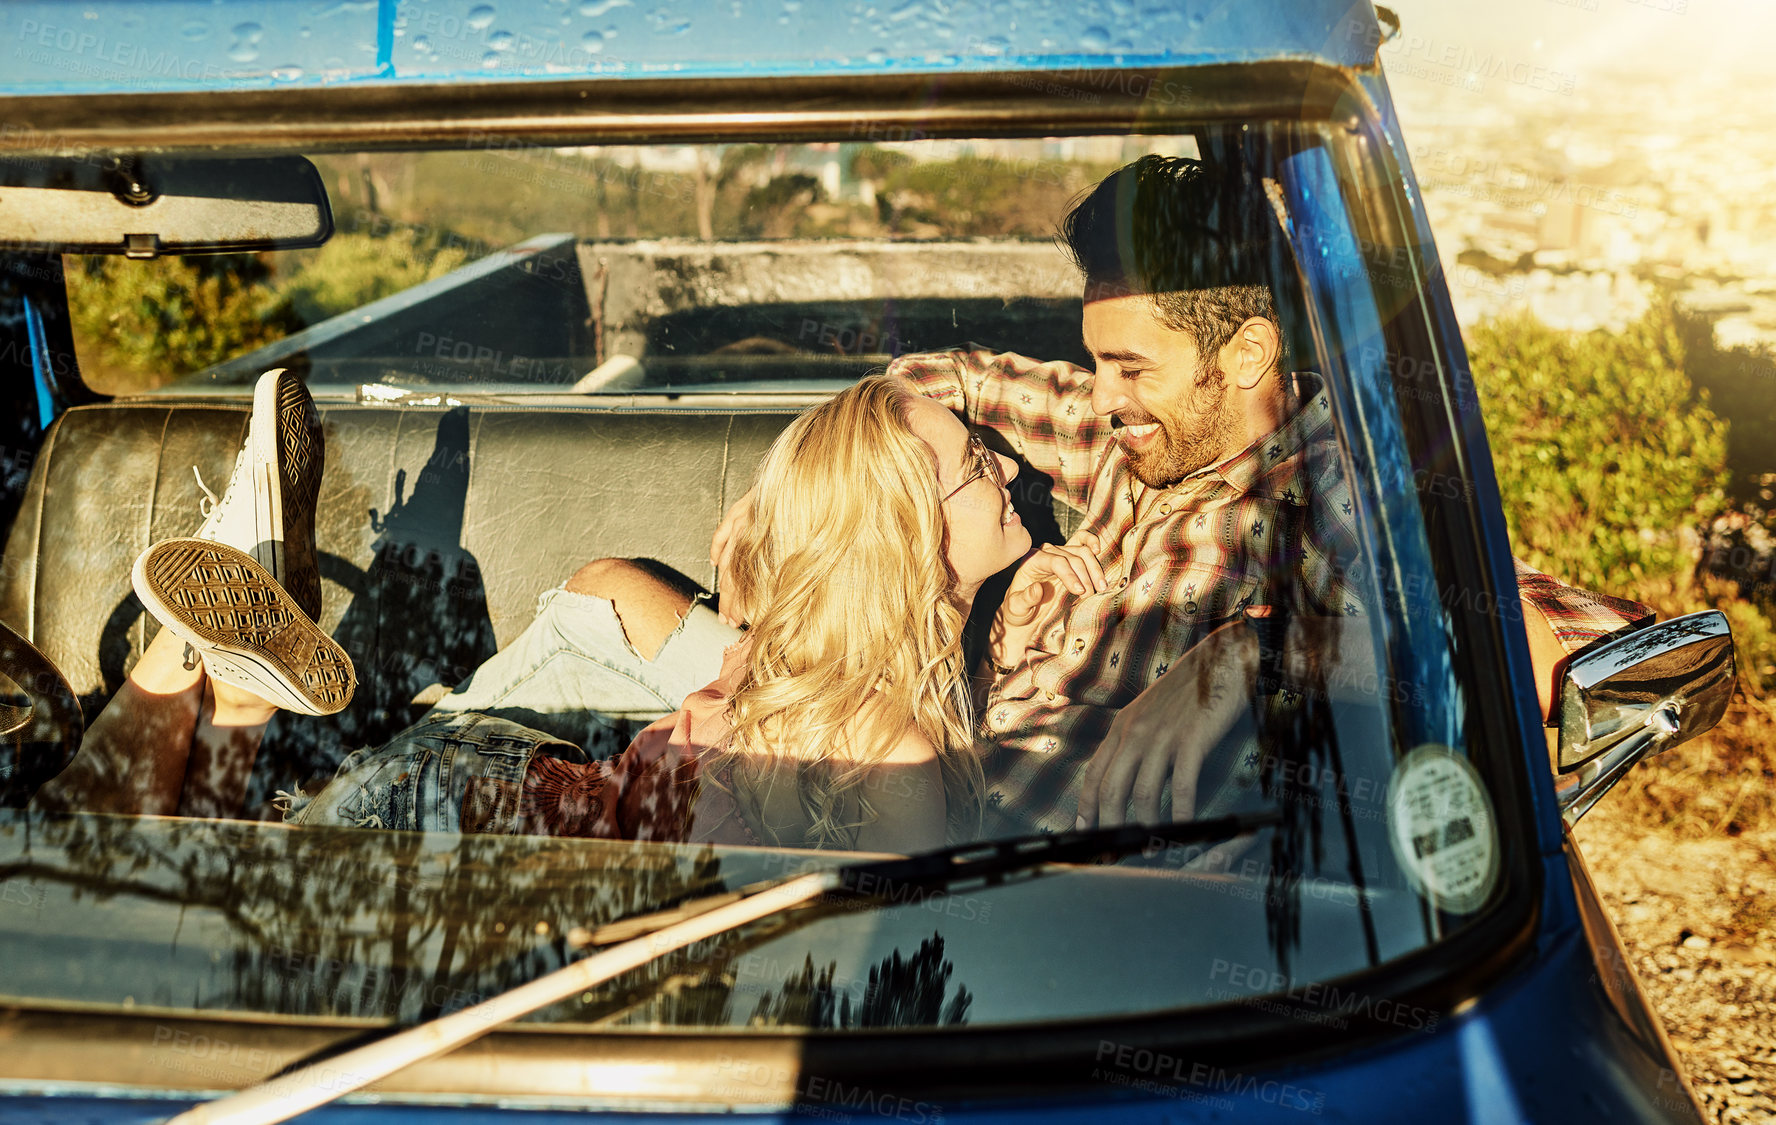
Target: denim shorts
x=449, y=772
x=570, y=686
x=574, y=675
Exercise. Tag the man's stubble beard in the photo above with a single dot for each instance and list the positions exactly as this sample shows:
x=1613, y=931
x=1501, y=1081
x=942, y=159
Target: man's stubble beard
x=1204, y=436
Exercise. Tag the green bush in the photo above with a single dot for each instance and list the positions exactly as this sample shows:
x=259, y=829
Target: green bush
x=1611, y=465
x=142, y=324
x=354, y=269
x=1609, y=462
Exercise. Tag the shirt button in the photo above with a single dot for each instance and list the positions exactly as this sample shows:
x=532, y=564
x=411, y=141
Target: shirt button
x=1121, y=582
x=1050, y=696
x=1165, y=509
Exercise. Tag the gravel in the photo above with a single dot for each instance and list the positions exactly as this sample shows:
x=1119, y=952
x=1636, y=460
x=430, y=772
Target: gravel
x=1698, y=922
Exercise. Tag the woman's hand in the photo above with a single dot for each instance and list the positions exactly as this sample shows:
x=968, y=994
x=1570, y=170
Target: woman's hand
x=1038, y=584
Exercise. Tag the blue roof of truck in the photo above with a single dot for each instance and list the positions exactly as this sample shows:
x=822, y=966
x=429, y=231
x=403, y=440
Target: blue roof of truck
x=117, y=46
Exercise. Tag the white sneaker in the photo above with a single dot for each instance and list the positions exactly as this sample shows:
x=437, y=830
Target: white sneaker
x=268, y=508
x=220, y=601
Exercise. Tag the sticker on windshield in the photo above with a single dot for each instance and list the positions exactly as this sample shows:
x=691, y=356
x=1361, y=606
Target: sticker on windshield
x=1441, y=825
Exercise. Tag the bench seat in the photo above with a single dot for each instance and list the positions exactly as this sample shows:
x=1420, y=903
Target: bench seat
x=437, y=528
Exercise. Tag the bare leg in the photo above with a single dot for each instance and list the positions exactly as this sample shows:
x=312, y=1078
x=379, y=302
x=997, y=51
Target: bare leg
x=617, y=643
x=230, y=725
x=136, y=755
x=648, y=605
x=132, y=758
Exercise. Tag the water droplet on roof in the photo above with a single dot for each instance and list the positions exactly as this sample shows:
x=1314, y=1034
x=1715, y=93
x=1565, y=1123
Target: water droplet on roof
x=592, y=42
x=195, y=30
x=666, y=22
x=995, y=45
x=592, y=9
x=490, y=60
x=289, y=72
x=501, y=40
x=245, y=47
x=876, y=57
x=480, y=16
x=422, y=44
x=1094, y=39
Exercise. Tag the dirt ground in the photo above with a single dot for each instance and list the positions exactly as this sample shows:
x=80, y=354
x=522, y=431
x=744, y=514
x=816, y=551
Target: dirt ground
x=1698, y=920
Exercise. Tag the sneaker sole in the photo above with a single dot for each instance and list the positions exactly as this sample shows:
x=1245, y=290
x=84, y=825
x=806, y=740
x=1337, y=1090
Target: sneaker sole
x=288, y=456
x=247, y=628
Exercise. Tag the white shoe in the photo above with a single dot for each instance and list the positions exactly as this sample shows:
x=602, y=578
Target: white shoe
x=268, y=508
x=220, y=601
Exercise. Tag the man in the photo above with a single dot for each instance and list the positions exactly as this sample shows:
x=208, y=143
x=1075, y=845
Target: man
x=1215, y=507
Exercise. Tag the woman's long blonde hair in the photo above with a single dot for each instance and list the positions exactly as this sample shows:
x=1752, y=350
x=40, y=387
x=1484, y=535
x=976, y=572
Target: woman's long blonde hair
x=856, y=634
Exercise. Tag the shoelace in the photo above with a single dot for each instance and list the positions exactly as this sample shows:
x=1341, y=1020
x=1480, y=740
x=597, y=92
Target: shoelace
x=209, y=501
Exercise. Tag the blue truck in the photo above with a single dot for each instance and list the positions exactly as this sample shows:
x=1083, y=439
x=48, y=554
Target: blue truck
x=557, y=274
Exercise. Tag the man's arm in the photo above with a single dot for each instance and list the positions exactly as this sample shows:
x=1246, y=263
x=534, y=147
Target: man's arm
x=1162, y=737
x=1043, y=410
x=1560, y=620
x=1160, y=740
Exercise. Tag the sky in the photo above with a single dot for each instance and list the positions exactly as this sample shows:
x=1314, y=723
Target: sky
x=1726, y=40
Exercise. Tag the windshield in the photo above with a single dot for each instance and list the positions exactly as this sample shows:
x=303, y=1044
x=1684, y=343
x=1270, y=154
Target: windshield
x=543, y=379
x=783, y=269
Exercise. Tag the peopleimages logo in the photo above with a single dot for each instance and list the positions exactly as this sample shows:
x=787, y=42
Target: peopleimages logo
x=1146, y=1069
x=1330, y=1004
x=94, y=54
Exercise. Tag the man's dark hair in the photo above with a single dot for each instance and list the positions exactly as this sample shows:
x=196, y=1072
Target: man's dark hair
x=1197, y=240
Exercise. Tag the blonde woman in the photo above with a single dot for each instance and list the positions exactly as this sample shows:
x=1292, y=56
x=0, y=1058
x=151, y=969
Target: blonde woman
x=841, y=718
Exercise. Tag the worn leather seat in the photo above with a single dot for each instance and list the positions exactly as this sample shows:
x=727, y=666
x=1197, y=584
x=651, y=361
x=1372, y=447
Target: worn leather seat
x=438, y=529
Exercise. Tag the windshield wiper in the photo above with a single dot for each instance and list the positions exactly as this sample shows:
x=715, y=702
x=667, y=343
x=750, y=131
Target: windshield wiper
x=644, y=938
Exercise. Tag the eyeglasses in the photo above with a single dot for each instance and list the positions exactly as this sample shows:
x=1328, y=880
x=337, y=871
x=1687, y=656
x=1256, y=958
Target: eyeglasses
x=985, y=465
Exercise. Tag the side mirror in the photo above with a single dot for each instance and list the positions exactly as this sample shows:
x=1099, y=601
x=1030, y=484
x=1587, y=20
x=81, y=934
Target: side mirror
x=1636, y=697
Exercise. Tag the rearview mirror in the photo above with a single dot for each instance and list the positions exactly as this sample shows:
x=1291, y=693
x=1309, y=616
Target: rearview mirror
x=143, y=207
x=1638, y=696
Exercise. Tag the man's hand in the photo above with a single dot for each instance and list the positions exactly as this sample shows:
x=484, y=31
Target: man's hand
x=731, y=607
x=1161, y=739
x=1037, y=585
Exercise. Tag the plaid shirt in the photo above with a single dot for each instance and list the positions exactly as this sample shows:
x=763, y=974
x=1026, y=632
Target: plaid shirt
x=1272, y=525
